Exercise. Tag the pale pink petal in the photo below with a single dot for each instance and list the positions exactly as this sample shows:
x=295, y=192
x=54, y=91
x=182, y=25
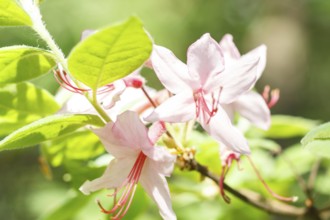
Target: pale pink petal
x=156, y=186
x=254, y=108
x=178, y=108
x=161, y=159
x=109, y=99
x=77, y=103
x=115, y=146
x=113, y=177
x=221, y=128
x=156, y=130
x=172, y=73
x=230, y=110
x=204, y=60
x=228, y=48
x=237, y=79
x=261, y=53
x=130, y=130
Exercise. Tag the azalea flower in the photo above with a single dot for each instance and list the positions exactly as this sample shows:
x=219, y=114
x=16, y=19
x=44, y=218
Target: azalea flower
x=201, y=86
x=136, y=160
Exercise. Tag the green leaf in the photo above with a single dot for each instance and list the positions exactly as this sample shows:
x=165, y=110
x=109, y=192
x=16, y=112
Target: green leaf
x=46, y=129
x=77, y=153
x=284, y=126
x=110, y=54
x=23, y=103
x=11, y=14
x=81, y=145
x=269, y=145
x=69, y=208
x=21, y=63
x=301, y=160
x=318, y=140
x=207, y=150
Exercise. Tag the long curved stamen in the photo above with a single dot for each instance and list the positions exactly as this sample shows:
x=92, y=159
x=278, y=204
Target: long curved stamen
x=225, y=169
x=128, y=189
x=275, y=195
x=62, y=78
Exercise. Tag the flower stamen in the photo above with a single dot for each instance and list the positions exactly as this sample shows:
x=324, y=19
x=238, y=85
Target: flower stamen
x=128, y=188
x=271, y=99
x=202, y=106
x=225, y=168
x=275, y=195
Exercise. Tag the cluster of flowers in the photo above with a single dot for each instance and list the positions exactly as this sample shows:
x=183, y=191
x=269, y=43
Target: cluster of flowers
x=214, y=85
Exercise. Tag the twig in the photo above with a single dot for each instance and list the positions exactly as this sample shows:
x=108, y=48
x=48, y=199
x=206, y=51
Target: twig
x=252, y=198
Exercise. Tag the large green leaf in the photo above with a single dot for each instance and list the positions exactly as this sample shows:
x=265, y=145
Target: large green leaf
x=318, y=140
x=110, y=54
x=23, y=103
x=20, y=63
x=284, y=126
x=11, y=14
x=46, y=129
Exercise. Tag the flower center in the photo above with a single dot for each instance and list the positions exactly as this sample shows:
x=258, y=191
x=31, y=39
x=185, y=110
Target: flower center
x=207, y=110
x=127, y=190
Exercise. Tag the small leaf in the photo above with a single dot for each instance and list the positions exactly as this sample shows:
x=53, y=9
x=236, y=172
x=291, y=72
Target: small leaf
x=46, y=129
x=11, y=14
x=284, y=126
x=110, y=54
x=269, y=145
x=21, y=63
x=318, y=140
x=23, y=103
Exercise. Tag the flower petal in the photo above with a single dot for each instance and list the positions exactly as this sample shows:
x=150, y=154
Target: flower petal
x=221, y=128
x=114, y=145
x=113, y=177
x=229, y=49
x=204, y=60
x=130, y=130
x=178, y=108
x=156, y=186
x=156, y=130
x=260, y=53
x=254, y=108
x=237, y=78
x=161, y=159
x=172, y=73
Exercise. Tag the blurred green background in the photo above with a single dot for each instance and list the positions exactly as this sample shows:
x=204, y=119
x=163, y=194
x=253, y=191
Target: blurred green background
x=296, y=32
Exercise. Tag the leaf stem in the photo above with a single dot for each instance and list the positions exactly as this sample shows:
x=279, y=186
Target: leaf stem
x=31, y=7
x=98, y=108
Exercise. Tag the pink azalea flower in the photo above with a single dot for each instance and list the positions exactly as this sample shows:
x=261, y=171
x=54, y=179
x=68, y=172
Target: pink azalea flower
x=201, y=86
x=136, y=160
x=250, y=105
